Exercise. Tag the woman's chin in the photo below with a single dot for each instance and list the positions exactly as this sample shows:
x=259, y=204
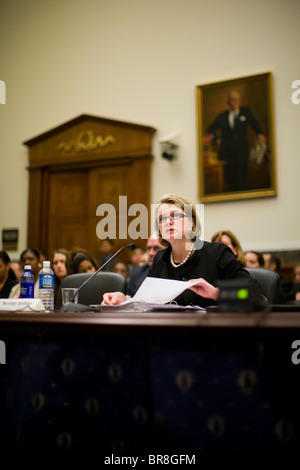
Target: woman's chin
x=172, y=237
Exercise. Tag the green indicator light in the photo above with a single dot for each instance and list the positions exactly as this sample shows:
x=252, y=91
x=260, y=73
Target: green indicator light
x=242, y=294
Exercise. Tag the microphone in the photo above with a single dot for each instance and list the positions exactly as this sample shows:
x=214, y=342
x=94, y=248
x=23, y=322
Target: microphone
x=71, y=306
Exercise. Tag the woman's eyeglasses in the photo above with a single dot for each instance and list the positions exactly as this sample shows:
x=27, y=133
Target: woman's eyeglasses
x=162, y=219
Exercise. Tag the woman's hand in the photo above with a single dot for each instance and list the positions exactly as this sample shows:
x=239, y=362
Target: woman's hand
x=114, y=298
x=205, y=289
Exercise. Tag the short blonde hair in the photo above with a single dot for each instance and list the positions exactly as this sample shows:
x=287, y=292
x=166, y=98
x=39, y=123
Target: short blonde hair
x=188, y=208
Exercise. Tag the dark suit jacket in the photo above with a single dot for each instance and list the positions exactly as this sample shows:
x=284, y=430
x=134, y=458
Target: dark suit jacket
x=234, y=141
x=137, y=275
x=287, y=290
x=5, y=291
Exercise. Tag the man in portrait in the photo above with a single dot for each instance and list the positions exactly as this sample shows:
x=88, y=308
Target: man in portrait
x=230, y=132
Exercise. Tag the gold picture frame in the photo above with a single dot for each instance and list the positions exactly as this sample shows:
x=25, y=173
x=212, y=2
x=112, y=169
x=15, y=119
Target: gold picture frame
x=236, y=154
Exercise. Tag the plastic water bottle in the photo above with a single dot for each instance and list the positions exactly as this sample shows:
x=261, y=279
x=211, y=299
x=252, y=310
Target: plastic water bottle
x=46, y=286
x=27, y=284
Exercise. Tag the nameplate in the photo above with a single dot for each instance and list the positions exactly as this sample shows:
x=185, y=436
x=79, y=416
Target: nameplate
x=21, y=305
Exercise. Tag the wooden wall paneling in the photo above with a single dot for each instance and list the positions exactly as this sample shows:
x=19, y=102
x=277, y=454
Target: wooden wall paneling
x=35, y=209
x=140, y=177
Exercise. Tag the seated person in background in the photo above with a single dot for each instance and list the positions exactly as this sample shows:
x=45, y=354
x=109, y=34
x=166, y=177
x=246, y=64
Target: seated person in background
x=186, y=257
x=139, y=273
x=144, y=258
x=297, y=273
x=286, y=285
x=107, y=250
x=294, y=293
x=31, y=257
x=136, y=258
x=229, y=239
x=121, y=268
x=6, y=281
x=296, y=286
x=267, y=257
x=58, y=260
x=83, y=262
x=254, y=260
x=16, y=267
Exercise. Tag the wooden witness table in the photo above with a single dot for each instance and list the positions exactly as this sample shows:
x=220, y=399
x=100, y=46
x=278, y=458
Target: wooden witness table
x=159, y=381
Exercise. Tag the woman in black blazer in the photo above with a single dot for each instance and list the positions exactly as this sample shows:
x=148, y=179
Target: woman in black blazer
x=186, y=256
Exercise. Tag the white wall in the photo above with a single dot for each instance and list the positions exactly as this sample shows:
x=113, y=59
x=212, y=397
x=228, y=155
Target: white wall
x=140, y=62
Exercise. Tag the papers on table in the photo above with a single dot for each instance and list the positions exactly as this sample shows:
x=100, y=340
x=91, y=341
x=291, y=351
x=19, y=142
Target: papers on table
x=154, y=294
x=161, y=291
x=140, y=306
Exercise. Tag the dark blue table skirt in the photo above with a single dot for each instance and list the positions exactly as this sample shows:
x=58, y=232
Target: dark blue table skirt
x=214, y=389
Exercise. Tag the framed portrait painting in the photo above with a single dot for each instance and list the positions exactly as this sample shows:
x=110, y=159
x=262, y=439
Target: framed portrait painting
x=235, y=139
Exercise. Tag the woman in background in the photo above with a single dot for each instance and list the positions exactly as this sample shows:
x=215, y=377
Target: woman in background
x=297, y=281
x=6, y=280
x=82, y=262
x=229, y=239
x=121, y=268
x=17, y=271
x=254, y=260
x=294, y=294
x=59, y=259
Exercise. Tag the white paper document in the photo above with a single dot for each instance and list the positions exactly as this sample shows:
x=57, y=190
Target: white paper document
x=159, y=291
x=154, y=294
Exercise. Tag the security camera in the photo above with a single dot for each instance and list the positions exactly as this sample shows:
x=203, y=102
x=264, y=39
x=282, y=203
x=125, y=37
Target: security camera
x=169, y=146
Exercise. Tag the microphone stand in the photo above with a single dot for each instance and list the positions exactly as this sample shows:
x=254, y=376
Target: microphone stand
x=71, y=306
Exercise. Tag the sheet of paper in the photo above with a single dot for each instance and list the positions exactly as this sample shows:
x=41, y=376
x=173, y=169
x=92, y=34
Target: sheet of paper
x=159, y=291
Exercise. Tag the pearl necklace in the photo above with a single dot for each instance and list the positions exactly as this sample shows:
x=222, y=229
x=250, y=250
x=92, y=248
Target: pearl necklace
x=176, y=265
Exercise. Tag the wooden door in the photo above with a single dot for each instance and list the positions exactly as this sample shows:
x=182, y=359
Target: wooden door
x=76, y=196
x=106, y=187
x=78, y=166
x=68, y=210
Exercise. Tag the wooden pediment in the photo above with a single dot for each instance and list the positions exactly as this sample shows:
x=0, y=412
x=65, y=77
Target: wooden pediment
x=89, y=138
